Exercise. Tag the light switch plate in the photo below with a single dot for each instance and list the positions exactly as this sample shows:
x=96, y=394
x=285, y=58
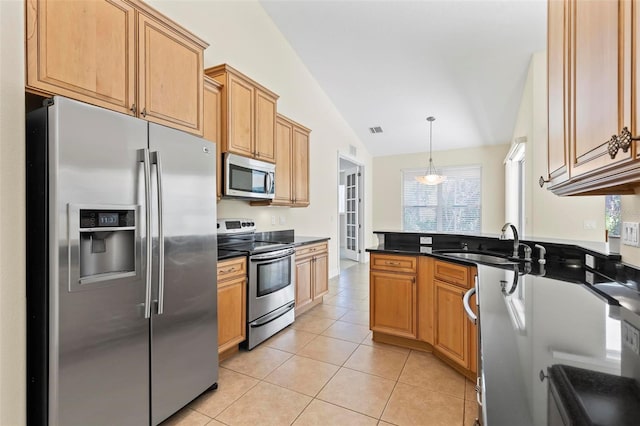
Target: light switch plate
x=630, y=235
x=631, y=337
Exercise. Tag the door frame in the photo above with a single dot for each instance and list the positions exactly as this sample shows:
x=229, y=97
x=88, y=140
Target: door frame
x=361, y=204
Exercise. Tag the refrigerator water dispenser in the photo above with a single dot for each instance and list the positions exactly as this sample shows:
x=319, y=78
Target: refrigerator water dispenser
x=106, y=243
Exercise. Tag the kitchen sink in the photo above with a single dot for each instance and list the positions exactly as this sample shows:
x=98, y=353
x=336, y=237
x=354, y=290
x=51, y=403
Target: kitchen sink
x=479, y=257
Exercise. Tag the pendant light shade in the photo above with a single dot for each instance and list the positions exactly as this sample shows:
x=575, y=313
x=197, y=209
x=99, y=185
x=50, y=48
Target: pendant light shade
x=431, y=176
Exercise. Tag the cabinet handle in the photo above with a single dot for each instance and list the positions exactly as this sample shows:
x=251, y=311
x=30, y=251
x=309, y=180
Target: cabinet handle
x=625, y=139
x=144, y=112
x=614, y=146
x=392, y=263
x=542, y=181
x=621, y=142
x=227, y=271
x=133, y=109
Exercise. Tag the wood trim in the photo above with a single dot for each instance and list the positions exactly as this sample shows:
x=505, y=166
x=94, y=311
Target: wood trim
x=227, y=353
x=291, y=122
x=167, y=22
x=401, y=341
x=228, y=69
x=425, y=302
x=393, y=263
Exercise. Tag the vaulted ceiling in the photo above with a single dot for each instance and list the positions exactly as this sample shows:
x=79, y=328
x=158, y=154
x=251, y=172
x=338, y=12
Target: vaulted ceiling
x=393, y=63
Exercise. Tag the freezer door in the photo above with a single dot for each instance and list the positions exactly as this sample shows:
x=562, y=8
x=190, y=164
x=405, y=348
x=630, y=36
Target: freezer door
x=98, y=336
x=184, y=328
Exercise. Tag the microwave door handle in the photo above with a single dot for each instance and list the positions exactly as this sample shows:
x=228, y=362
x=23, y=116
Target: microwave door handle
x=267, y=182
x=158, y=163
x=147, y=208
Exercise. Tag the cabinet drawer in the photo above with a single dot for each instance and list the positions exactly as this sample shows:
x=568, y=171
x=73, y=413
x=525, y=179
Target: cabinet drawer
x=452, y=273
x=391, y=262
x=232, y=268
x=311, y=249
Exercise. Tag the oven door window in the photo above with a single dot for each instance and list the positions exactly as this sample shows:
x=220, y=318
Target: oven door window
x=273, y=276
x=248, y=180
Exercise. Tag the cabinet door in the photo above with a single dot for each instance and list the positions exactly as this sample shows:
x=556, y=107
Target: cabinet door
x=300, y=167
x=392, y=299
x=170, y=77
x=320, y=275
x=240, y=116
x=601, y=75
x=284, y=138
x=558, y=90
x=304, y=277
x=84, y=50
x=232, y=297
x=265, y=127
x=211, y=129
x=451, y=324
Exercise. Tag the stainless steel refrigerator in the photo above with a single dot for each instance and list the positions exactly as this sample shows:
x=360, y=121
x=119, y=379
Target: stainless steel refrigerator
x=121, y=267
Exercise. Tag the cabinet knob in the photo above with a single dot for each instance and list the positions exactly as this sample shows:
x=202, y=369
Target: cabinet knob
x=144, y=112
x=133, y=109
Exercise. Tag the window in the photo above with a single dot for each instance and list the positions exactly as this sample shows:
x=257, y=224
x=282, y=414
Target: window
x=452, y=206
x=612, y=214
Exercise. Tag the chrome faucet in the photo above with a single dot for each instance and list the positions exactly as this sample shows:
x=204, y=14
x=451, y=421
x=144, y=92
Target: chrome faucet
x=516, y=240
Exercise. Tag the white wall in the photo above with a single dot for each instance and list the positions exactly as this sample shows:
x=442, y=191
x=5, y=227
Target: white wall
x=242, y=35
x=387, y=203
x=548, y=215
x=12, y=215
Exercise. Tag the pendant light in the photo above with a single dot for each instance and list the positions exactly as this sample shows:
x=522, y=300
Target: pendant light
x=431, y=176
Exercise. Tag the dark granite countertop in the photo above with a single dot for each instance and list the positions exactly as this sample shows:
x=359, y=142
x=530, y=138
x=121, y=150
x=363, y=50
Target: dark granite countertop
x=228, y=254
x=288, y=237
x=594, y=398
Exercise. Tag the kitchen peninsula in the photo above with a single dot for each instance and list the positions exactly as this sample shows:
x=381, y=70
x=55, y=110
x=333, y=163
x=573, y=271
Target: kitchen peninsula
x=570, y=309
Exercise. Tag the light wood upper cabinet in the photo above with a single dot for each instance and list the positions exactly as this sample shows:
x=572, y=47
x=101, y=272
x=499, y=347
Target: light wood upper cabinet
x=248, y=114
x=170, y=77
x=211, y=129
x=292, y=165
x=558, y=90
x=92, y=58
x=284, y=174
x=83, y=50
x=300, y=166
x=592, y=72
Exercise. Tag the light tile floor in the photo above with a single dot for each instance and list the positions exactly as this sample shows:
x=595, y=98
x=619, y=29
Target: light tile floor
x=326, y=370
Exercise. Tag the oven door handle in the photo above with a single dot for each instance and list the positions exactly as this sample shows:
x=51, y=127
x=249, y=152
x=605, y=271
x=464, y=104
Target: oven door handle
x=273, y=315
x=272, y=255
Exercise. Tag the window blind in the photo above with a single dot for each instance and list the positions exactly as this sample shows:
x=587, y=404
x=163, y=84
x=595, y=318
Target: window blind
x=452, y=206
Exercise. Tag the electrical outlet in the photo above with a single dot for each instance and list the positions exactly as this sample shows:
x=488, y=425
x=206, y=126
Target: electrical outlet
x=631, y=337
x=282, y=220
x=590, y=261
x=589, y=224
x=273, y=220
x=426, y=240
x=630, y=235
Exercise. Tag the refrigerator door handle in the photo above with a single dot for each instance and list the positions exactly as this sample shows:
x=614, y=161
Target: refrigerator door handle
x=147, y=208
x=158, y=162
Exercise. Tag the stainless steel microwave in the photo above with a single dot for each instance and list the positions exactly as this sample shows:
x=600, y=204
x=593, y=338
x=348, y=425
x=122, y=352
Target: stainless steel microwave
x=248, y=178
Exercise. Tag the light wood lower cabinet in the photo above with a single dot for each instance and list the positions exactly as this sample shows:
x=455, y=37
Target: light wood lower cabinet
x=232, y=302
x=416, y=301
x=451, y=329
x=393, y=303
x=312, y=275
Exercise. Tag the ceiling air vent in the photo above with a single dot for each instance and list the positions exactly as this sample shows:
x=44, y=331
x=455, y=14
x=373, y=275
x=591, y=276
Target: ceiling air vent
x=375, y=130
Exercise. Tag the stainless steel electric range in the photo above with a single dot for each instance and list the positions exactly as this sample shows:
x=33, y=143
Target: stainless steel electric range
x=270, y=281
